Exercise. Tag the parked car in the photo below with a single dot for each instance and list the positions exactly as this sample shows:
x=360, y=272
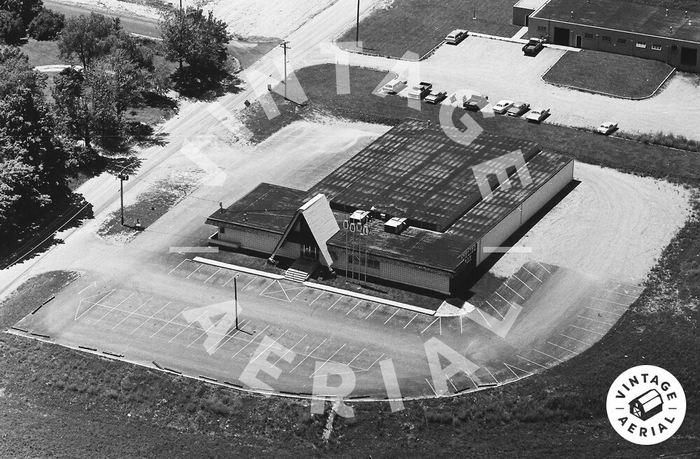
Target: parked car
x=533, y=47
x=518, y=109
x=607, y=128
x=503, y=106
x=435, y=97
x=395, y=86
x=475, y=103
x=537, y=115
x=456, y=36
x=420, y=90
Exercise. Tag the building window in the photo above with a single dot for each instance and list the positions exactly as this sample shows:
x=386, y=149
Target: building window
x=541, y=28
x=222, y=230
x=656, y=47
x=641, y=44
x=621, y=41
x=606, y=38
x=372, y=263
x=588, y=35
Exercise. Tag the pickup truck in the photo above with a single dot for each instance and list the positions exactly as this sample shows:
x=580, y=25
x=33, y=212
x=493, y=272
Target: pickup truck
x=420, y=90
x=475, y=103
x=533, y=47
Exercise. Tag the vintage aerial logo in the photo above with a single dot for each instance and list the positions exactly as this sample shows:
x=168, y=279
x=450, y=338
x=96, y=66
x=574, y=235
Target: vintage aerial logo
x=646, y=405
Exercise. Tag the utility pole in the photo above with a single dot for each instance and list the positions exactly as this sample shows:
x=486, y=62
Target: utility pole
x=357, y=26
x=235, y=297
x=285, y=45
x=122, y=178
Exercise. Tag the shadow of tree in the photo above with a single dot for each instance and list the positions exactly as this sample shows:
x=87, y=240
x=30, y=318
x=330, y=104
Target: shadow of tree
x=205, y=85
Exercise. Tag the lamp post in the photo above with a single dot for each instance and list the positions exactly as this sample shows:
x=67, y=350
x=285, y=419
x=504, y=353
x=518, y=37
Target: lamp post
x=122, y=179
x=357, y=25
x=285, y=45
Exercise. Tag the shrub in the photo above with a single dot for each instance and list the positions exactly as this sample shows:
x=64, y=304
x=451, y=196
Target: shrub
x=46, y=25
x=11, y=28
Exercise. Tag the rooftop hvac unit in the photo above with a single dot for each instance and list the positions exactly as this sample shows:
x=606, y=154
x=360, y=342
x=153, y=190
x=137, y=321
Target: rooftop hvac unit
x=395, y=225
x=359, y=217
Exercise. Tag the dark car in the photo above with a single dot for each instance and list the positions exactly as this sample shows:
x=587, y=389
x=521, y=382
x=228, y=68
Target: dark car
x=475, y=103
x=435, y=97
x=420, y=90
x=533, y=47
x=518, y=109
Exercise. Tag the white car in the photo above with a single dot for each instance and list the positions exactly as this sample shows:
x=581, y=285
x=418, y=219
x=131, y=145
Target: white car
x=503, y=106
x=456, y=36
x=395, y=86
x=607, y=128
x=537, y=115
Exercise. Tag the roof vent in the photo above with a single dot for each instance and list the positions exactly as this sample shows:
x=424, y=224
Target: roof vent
x=395, y=225
x=359, y=217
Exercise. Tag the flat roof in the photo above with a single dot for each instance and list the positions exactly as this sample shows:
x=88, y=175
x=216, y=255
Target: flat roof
x=417, y=172
x=625, y=16
x=270, y=207
x=530, y=4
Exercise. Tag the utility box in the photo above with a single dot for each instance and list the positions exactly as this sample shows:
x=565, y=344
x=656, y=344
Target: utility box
x=395, y=225
x=359, y=217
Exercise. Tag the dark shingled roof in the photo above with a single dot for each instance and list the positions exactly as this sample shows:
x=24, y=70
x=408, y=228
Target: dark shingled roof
x=270, y=207
x=625, y=16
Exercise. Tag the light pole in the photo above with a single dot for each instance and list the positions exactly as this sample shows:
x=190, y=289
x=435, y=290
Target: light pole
x=285, y=45
x=235, y=297
x=122, y=179
x=357, y=26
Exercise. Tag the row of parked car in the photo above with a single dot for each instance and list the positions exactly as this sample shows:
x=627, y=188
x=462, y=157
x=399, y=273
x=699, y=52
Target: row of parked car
x=476, y=102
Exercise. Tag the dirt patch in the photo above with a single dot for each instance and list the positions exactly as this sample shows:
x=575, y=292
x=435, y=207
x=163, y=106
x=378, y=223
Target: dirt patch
x=149, y=207
x=612, y=226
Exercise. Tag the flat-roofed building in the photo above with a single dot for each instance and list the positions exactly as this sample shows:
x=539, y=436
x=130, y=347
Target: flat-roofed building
x=413, y=208
x=651, y=32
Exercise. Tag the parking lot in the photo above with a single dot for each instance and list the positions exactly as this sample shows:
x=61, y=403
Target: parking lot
x=301, y=330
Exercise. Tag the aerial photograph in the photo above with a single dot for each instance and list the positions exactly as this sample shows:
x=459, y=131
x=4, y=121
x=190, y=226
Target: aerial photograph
x=349, y=228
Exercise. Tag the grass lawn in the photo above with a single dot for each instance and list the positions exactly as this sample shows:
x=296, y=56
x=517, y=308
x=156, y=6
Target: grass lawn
x=419, y=25
x=615, y=74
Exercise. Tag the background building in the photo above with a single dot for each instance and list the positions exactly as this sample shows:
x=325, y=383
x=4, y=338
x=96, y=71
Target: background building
x=409, y=208
x=671, y=36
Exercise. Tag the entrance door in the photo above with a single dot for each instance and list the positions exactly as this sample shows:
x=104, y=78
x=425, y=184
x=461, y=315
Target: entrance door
x=309, y=251
x=578, y=41
x=689, y=57
x=561, y=36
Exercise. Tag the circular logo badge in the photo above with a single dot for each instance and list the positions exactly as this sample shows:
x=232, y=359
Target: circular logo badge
x=646, y=405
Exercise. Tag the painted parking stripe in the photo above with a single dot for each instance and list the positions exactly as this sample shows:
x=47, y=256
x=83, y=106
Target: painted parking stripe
x=391, y=316
x=246, y=345
x=132, y=313
x=489, y=371
x=509, y=303
x=149, y=319
x=179, y=264
x=511, y=289
x=606, y=311
x=496, y=310
x=241, y=325
x=610, y=301
x=431, y=324
x=195, y=270
x=575, y=339
x=409, y=322
x=336, y=302
x=585, y=329
x=215, y=273
x=355, y=358
x=308, y=355
x=290, y=349
x=327, y=360
x=295, y=296
x=248, y=284
x=543, y=267
x=562, y=347
x=519, y=280
x=594, y=320
x=188, y=326
x=167, y=323
x=373, y=310
x=356, y=305
x=375, y=362
x=540, y=280
x=77, y=317
x=232, y=278
x=112, y=308
x=269, y=346
x=310, y=304
x=545, y=354
x=431, y=387
x=528, y=360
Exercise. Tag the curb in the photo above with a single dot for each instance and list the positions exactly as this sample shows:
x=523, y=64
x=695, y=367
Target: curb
x=220, y=264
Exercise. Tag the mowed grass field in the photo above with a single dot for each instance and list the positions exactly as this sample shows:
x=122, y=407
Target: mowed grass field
x=613, y=74
x=418, y=25
x=123, y=410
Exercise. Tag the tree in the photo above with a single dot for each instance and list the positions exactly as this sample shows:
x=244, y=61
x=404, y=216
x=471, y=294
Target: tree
x=196, y=38
x=88, y=38
x=26, y=9
x=11, y=27
x=16, y=73
x=46, y=25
